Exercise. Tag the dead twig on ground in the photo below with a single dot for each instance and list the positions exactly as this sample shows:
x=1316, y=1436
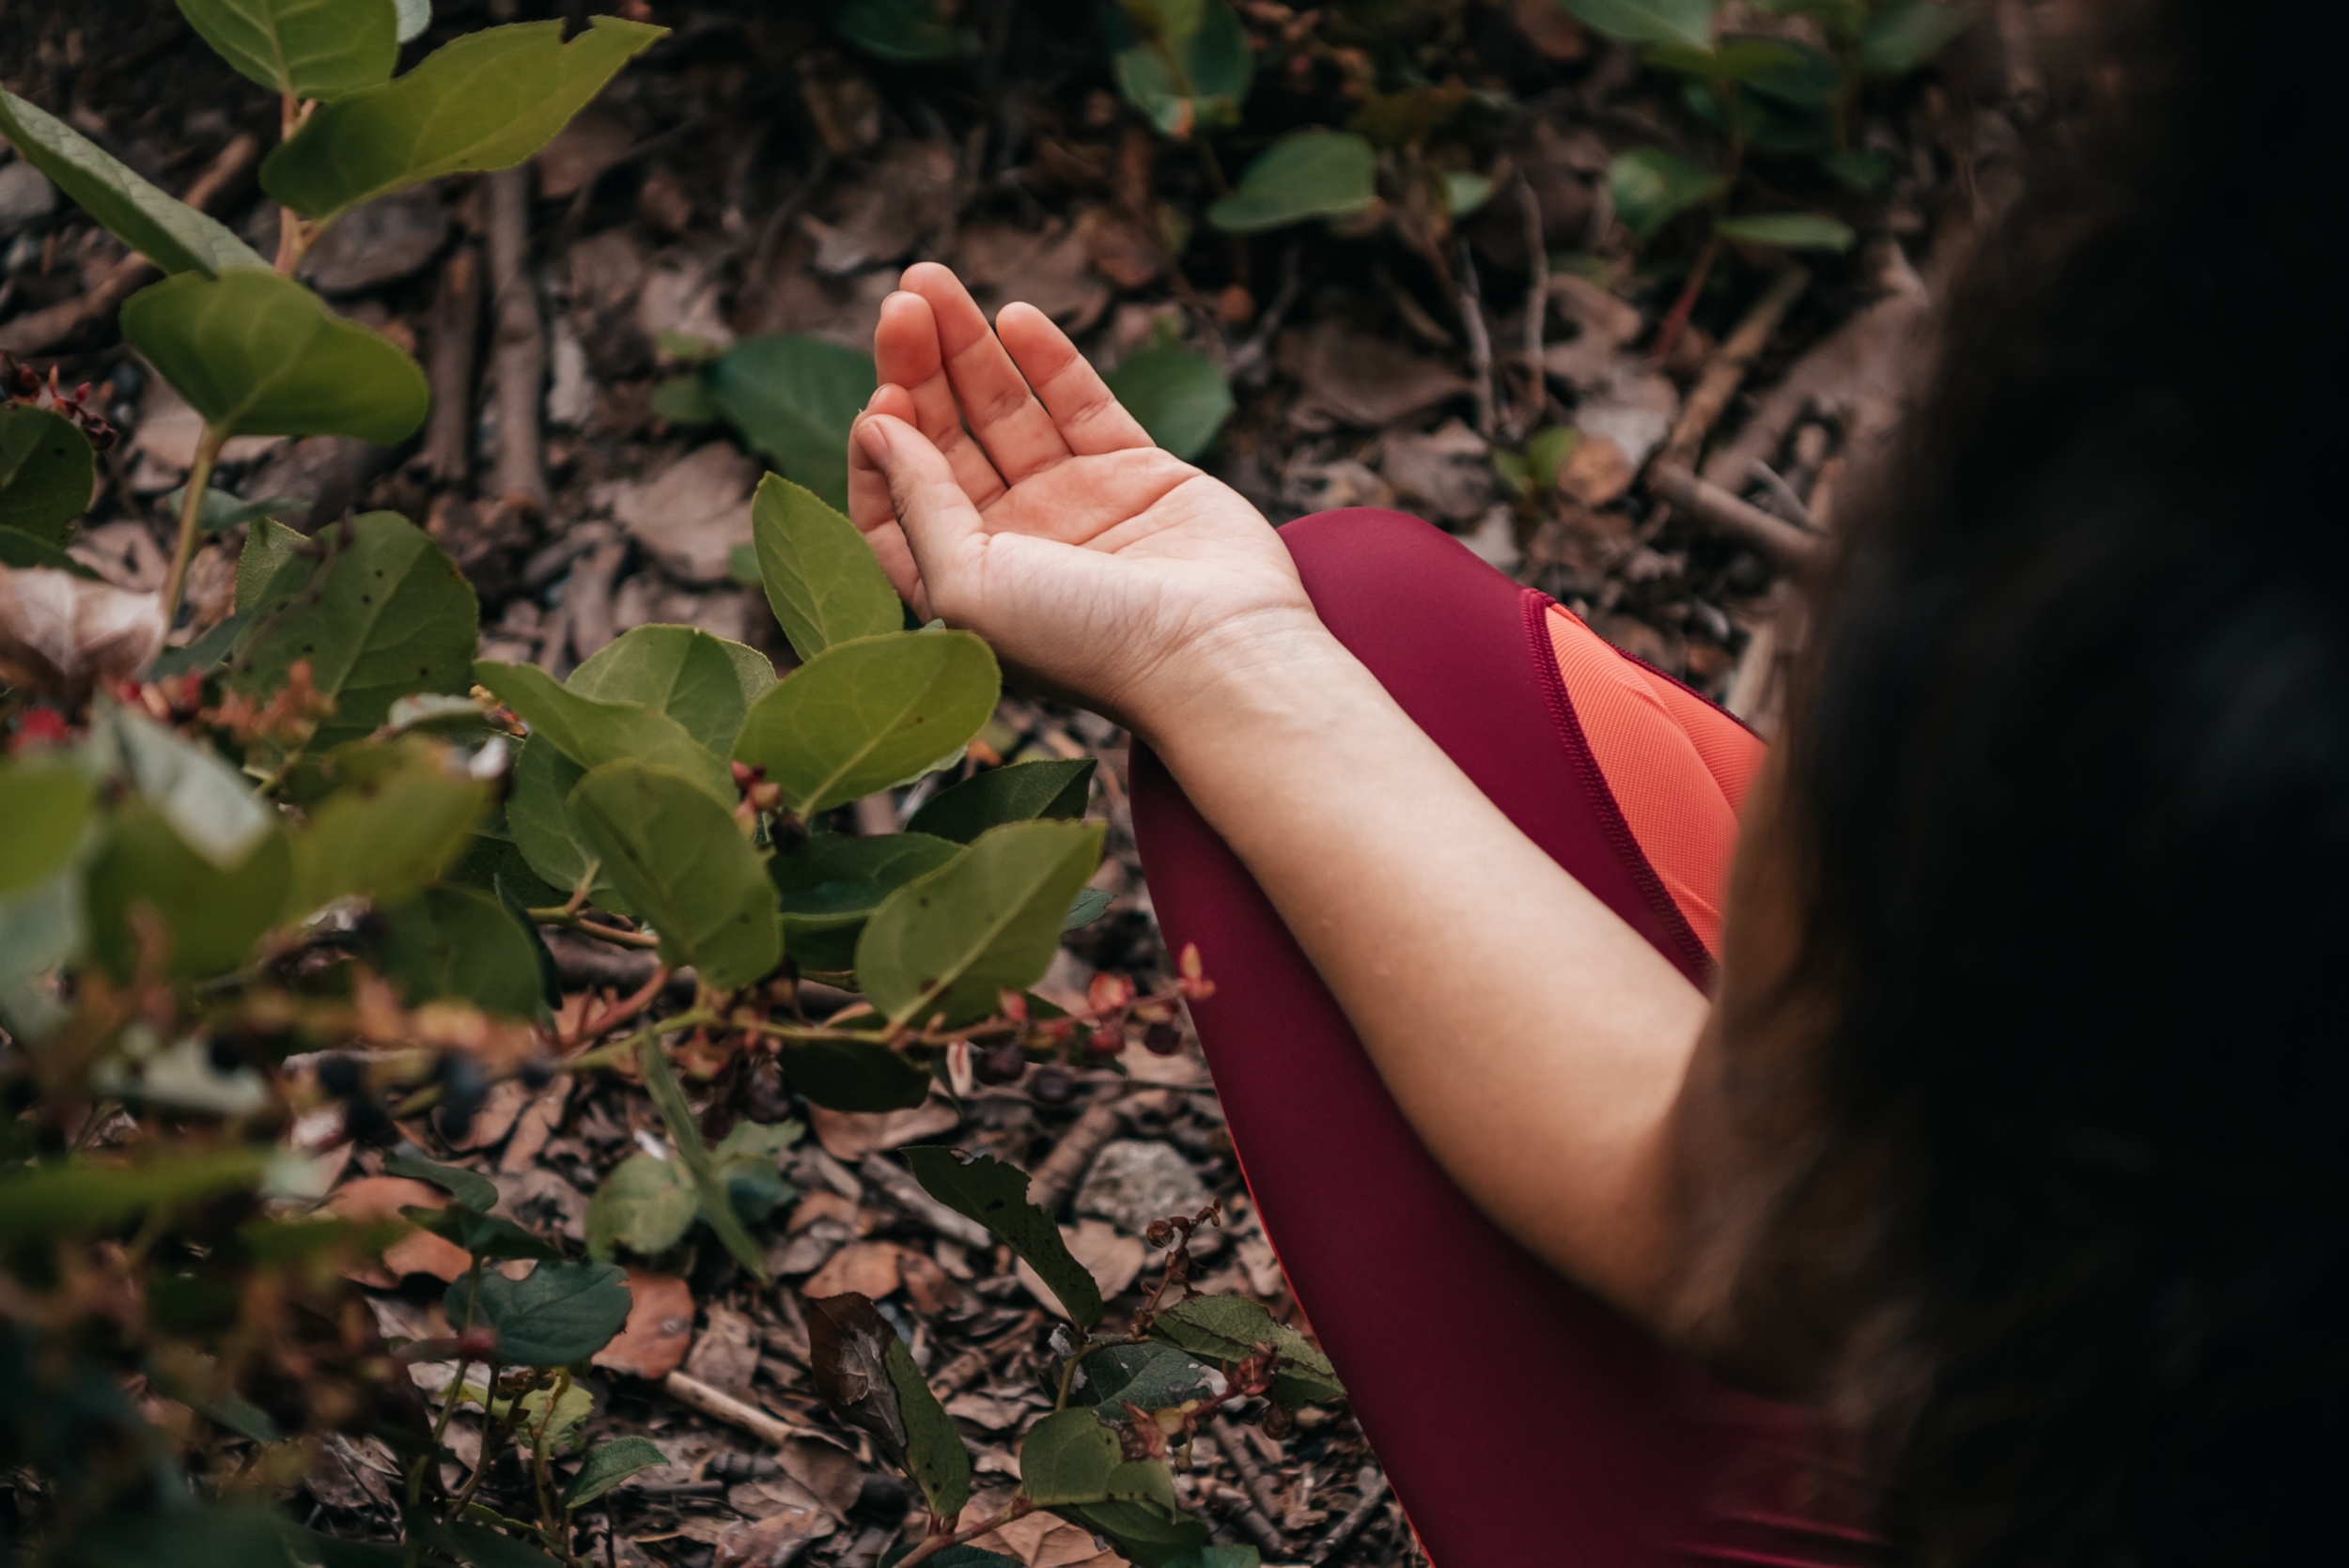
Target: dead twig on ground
x=446, y=455
x=1252, y=1519
x=898, y=1184
x=1057, y=1174
x=1372, y=1481
x=1715, y=506
x=966, y=1368
x=720, y=1406
x=1260, y=1489
x=1480, y=343
x=1725, y=371
x=518, y=367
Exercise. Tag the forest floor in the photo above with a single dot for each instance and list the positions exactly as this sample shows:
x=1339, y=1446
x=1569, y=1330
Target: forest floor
x=753, y=175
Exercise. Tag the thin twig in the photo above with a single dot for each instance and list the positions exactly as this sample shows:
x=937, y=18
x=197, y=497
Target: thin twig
x=1260, y=1490
x=1480, y=342
x=1710, y=504
x=1677, y=319
x=717, y=1405
x=519, y=366
x=1725, y=371
x=447, y=450
x=1373, y=1484
x=1536, y=308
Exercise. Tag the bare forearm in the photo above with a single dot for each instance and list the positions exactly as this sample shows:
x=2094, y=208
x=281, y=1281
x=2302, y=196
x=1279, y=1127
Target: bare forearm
x=1536, y=1041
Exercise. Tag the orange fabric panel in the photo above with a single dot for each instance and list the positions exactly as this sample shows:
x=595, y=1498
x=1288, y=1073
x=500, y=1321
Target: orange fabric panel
x=1676, y=765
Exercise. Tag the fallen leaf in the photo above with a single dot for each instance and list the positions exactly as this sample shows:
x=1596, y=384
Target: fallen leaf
x=1119, y=249
x=580, y=152
x=693, y=513
x=1597, y=472
x=1444, y=474
x=927, y=1284
x=1050, y=270
x=378, y=243
x=869, y=1268
x=1325, y=487
x=375, y=1198
x=1635, y=411
x=833, y=1474
x=1113, y=1258
x=849, y=1136
x=726, y=1354
x=1350, y=377
x=65, y=634
x=776, y=1540
x=660, y=1327
x=124, y=553
x=1041, y=1541
x=991, y=1411
x=1550, y=29
x=906, y=199
x=536, y=1126
x=681, y=293
x=823, y=1203
x=496, y=1116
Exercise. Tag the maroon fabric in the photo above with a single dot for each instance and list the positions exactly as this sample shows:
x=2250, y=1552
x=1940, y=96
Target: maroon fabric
x=1521, y=1422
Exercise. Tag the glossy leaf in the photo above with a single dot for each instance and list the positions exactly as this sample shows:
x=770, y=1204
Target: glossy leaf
x=458, y=943
x=843, y=1075
x=260, y=355
x=646, y=1205
x=1309, y=174
x=1211, y=48
x=703, y=682
x=1147, y=1528
x=996, y=1195
x=684, y=867
x=822, y=579
x=1147, y=1376
x=862, y=716
x=593, y=733
x=934, y=1456
x=607, y=1465
x=832, y=884
x=157, y=224
x=44, y=810
x=794, y=398
x=1020, y=793
x=488, y=100
x=903, y=31
x=1790, y=231
x=538, y=815
x=1230, y=1328
x=1687, y=23
x=319, y=49
x=559, y=1313
x=668, y=1098
x=1066, y=1458
x=210, y=917
x=268, y=546
x=1089, y=904
x=1181, y=398
x=205, y=801
x=387, y=831
x=1905, y=34
x=46, y=472
x=1651, y=187
x=987, y=922
x=473, y=1189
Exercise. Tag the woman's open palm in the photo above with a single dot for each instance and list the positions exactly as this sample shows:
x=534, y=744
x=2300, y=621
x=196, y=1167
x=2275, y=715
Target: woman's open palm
x=1006, y=491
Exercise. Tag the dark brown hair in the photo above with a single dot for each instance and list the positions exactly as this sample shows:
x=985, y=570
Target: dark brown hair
x=2062, y=1197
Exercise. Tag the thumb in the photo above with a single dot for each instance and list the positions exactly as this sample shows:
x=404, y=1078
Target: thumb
x=938, y=518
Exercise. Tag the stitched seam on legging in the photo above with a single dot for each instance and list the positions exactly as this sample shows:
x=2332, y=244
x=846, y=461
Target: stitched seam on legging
x=1536, y=606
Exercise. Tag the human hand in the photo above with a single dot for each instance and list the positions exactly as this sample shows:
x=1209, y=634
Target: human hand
x=1100, y=568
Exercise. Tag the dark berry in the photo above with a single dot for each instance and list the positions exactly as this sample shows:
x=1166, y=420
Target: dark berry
x=1003, y=1064
x=339, y=1076
x=1162, y=1039
x=537, y=1075
x=1053, y=1085
x=464, y=1086
x=224, y=1056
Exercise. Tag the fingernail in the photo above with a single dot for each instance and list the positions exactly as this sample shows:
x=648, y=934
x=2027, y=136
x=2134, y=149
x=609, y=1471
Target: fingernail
x=875, y=440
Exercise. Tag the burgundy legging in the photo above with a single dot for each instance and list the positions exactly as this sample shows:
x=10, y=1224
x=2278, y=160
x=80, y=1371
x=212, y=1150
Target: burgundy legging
x=1520, y=1421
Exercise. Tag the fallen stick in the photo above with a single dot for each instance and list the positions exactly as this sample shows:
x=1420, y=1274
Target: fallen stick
x=43, y=330
x=1373, y=1482
x=1259, y=1486
x=1709, y=503
x=1057, y=1174
x=1480, y=342
x=898, y=1184
x=448, y=451
x=1252, y=1519
x=720, y=1406
x=1725, y=371
x=1536, y=308
x=519, y=366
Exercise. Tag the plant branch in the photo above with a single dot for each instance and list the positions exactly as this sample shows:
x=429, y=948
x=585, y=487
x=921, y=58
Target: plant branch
x=191, y=518
x=1020, y=1507
x=570, y=919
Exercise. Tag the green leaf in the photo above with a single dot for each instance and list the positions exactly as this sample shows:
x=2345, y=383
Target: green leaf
x=191, y=1535
x=166, y=230
x=219, y=511
x=1651, y=187
x=685, y=400
x=1089, y=904
x=821, y=578
x=1231, y=1328
x=485, y=1235
x=71, y=1198
x=862, y=716
x=488, y=100
x=42, y=927
x=268, y=546
x=46, y=809
x=986, y=923
x=935, y=1456
x=331, y=1551
x=1790, y=231
x=538, y=815
x=476, y=1545
x=202, y=799
x=1219, y=1557
x=745, y=1161
x=1147, y=1531
x=1734, y=59
x=1066, y=1458
x=400, y=820
x=905, y=31
x=46, y=472
x=260, y=355
x=843, y=1075
x=794, y=398
x=1860, y=169
x=593, y=733
x=1148, y=1377
x=1547, y=452
x=1182, y=398
x=209, y=917
x=703, y=682
x=996, y=1195
x=319, y=49
x=475, y=1191
x=668, y=1098
x=23, y=550
x=559, y=1313
x=1210, y=45
x=511, y=901
x=1688, y=23
x=607, y=1465
x=646, y=1205
x=830, y=885
x=1021, y=793
x=569, y=1413
x=1906, y=34
x=684, y=867
x=455, y=942
x=1309, y=174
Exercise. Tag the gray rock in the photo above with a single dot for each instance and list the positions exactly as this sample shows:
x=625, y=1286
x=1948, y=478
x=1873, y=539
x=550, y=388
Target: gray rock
x=379, y=243
x=25, y=196
x=1133, y=1182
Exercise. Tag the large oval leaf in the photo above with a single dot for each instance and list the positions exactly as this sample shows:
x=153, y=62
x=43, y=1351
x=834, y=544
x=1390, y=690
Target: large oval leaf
x=684, y=867
x=561, y=1312
x=862, y=716
x=986, y=923
x=703, y=682
x=832, y=884
x=485, y=102
x=1182, y=398
x=795, y=397
x=260, y=355
x=455, y=942
x=1021, y=793
x=1066, y=1458
x=1312, y=173
x=387, y=831
x=982, y=1187
x=308, y=48
x=46, y=474
x=538, y=815
x=209, y=918
x=822, y=579
x=592, y=733
x=157, y=224
x=44, y=809
x=1686, y=23
x=389, y=615
x=845, y=1075
x=646, y=1205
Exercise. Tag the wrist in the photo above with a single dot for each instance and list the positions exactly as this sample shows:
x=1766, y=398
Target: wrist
x=1263, y=663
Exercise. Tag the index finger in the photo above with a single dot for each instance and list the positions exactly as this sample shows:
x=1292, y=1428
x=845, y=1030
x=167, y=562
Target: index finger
x=996, y=401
